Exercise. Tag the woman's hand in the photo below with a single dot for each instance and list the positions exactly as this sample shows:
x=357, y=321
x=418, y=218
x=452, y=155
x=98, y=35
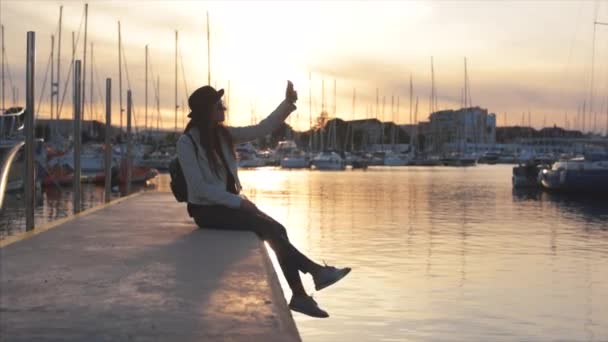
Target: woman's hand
x=290, y=94
x=248, y=206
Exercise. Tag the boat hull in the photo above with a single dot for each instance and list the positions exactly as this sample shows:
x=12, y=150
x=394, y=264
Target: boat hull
x=575, y=180
x=525, y=176
x=295, y=163
x=459, y=162
x=324, y=165
x=396, y=162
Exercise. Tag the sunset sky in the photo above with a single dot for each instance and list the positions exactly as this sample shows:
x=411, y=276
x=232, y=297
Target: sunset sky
x=522, y=55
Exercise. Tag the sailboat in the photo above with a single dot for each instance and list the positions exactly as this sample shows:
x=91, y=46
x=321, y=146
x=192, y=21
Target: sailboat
x=247, y=156
x=587, y=174
x=291, y=156
x=462, y=157
x=328, y=159
x=393, y=157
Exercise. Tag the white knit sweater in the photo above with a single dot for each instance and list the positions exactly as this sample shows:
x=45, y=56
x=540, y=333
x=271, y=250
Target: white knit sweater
x=205, y=187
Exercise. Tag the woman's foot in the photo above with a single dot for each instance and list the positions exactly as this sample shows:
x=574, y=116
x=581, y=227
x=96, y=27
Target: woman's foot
x=328, y=275
x=307, y=305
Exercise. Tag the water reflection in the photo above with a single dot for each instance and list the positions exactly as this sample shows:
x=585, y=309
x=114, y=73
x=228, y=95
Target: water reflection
x=55, y=202
x=589, y=208
x=444, y=254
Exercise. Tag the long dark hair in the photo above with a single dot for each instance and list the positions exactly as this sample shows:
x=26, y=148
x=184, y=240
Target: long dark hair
x=210, y=133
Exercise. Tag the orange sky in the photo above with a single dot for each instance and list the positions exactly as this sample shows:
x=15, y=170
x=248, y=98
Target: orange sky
x=522, y=56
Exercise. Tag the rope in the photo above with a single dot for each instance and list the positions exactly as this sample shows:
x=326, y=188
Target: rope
x=46, y=73
x=156, y=90
x=8, y=70
x=99, y=93
x=67, y=80
x=124, y=62
x=183, y=73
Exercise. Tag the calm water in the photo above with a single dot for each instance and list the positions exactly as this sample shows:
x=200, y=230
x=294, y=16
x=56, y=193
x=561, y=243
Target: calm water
x=444, y=254
x=54, y=203
x=438, y=254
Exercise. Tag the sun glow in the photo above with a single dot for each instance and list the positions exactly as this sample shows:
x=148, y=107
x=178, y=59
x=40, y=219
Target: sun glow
x=257, y=46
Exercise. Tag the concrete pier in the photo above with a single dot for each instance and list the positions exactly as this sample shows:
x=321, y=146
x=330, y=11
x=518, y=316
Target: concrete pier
x=139, y=270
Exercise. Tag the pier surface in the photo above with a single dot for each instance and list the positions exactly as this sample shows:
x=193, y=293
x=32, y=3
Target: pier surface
x=140, y=270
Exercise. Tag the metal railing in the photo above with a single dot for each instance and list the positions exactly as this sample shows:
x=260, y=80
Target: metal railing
x=5, y=168
x=11, y=122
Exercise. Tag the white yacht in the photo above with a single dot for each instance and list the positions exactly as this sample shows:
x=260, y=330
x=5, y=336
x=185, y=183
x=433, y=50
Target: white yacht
x=247, y=156
x=295, y=160
x=328, y=161
x=290, y=156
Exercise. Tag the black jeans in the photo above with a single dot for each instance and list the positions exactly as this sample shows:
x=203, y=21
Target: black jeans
x=290, y=259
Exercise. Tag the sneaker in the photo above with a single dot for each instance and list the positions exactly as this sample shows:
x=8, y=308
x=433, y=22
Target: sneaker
x=307, y=306
x=329, y=275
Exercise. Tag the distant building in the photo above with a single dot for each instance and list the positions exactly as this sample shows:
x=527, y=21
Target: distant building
x=472, y=125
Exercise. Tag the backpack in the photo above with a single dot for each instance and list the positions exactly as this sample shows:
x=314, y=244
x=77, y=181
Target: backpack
x=179, y=188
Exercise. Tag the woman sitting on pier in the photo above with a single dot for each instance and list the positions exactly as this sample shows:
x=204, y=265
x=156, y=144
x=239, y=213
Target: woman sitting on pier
x=210, y=169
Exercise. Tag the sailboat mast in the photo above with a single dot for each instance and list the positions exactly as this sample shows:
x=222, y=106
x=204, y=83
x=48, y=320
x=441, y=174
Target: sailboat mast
x=3, y=84
x=146, y=92
x=606, y=116
x=175, y=90
x=310, y=110
x=322, y=96
x=382, y=122
x=333, y=130
x=120, y=75
x=334, y=109
x=416, y=122
x=91, y=90
x=352, y=132
x=84, y=61
x=52, y=74
x=157, y=104
x=58, y=63
x=376, y=113
x=322, y=128
x=592, y=65
x=411, y=98
x=393, y=120
x=412, y=120
x=396, y=127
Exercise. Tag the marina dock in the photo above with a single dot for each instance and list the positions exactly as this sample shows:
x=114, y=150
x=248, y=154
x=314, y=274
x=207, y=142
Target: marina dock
x=139, y=269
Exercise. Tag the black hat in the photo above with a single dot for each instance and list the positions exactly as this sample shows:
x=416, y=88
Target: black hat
x=203, y=97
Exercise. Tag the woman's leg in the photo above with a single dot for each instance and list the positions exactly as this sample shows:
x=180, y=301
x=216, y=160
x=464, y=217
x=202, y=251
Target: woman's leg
x=290, y=259
x=281, y=240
